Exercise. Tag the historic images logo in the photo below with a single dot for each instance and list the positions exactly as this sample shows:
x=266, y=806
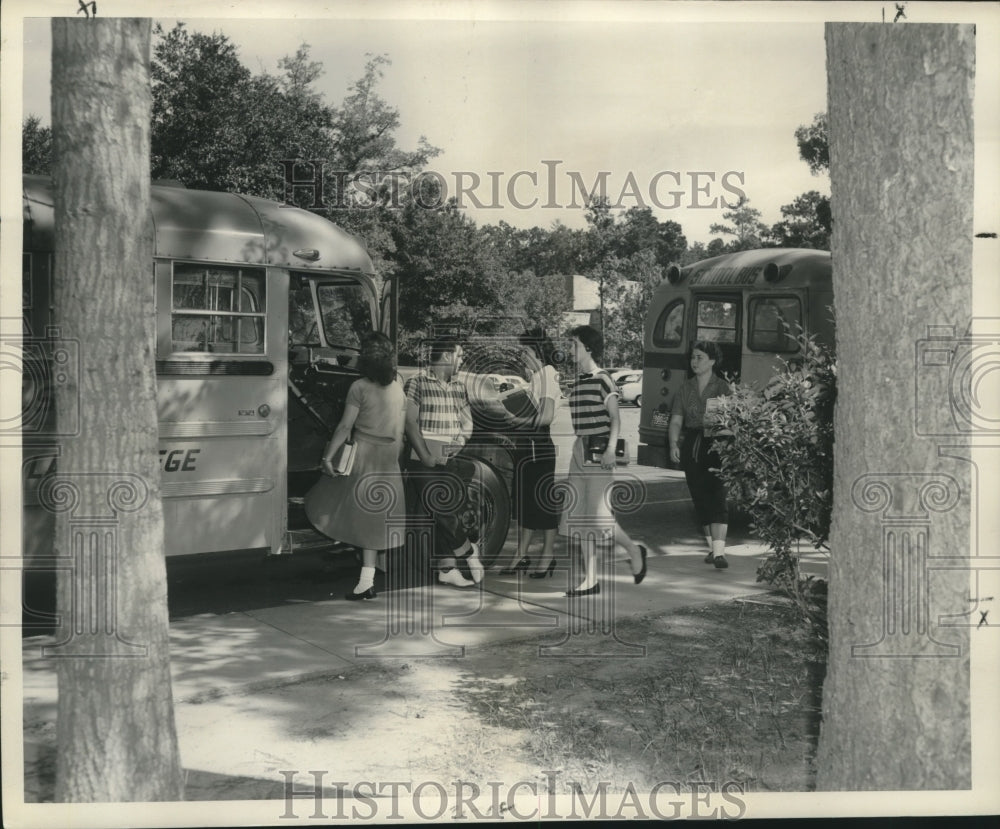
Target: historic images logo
x=493, y=800
x=548, y=189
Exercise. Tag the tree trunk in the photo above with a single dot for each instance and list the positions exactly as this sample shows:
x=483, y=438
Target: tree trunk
x=116, y=734
x=896, y=707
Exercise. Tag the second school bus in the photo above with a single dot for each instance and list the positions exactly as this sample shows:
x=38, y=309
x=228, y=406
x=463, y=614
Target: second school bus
x=752, y=303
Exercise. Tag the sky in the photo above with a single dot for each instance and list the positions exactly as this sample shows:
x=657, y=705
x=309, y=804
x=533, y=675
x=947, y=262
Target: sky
x=681, y=108
x=532, y=103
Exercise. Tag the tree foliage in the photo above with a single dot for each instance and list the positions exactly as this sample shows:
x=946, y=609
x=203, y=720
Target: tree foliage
x=814, y=144
x=778, y=466
x=36, y=146
x=806, y=223
x=746, y=228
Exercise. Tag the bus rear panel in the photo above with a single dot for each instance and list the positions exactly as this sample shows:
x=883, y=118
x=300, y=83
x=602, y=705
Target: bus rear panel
x=752, y=303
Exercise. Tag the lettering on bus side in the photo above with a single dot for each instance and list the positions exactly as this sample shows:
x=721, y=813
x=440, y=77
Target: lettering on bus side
x=726, y=276
x=178, y=460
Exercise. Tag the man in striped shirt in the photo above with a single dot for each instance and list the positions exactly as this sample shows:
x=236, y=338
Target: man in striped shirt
x=438, y=425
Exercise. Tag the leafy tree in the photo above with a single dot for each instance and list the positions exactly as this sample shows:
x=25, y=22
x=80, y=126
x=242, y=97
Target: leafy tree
x=746, y=228
x=210, y=117
x=778, y=467
x=445, y=273
x=641, y=231
x=364, y=126
x=806, y=223
x=36, y=146
x=814, y=144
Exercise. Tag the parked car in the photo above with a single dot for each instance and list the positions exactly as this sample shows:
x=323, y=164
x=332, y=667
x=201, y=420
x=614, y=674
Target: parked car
x=512, y=381
x=629, y=386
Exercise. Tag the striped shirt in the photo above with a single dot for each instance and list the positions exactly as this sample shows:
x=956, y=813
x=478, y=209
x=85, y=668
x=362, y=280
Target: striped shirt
x=588, y=403
x=440, y=405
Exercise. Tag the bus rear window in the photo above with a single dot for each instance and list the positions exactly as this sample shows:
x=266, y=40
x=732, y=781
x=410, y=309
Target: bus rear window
x=774, y=323
x=716, y=321
x=669, y=329
x=218, y=309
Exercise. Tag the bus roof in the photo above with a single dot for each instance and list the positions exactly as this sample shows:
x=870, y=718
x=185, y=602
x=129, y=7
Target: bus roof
x=760, y=266
x=202, y=225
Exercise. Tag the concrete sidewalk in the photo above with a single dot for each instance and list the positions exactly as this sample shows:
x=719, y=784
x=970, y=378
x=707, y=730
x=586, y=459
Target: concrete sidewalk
x=212, y=655
x=224, y=665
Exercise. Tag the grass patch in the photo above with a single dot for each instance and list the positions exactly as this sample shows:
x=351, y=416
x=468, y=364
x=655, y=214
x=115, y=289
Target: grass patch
x=728, y=692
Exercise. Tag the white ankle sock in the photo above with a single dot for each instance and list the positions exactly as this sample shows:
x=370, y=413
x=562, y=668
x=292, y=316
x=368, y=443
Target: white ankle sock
x=708, y=541
x=366, y=580
x=718, y=547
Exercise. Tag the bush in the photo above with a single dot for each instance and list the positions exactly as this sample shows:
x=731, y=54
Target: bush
x=778, y=468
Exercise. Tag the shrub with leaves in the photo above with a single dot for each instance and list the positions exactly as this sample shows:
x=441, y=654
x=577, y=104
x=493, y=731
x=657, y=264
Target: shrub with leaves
x=778, y=467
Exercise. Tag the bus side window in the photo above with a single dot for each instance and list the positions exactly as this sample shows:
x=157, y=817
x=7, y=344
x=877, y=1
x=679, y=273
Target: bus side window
x=774, y=323
x=669, y=329
x=217, y=309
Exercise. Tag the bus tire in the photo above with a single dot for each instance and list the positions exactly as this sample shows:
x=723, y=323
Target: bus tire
x=638, y=400
x=487, y=516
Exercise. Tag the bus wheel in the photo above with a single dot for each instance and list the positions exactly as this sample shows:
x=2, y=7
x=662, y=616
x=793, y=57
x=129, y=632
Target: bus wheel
x=487, y=514
x=638, y=400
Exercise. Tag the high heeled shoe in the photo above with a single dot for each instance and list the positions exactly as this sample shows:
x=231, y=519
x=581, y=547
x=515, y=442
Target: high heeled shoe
x=523, y=564
x=590, y=591
x=541, y=574
x=356, y=597
x=642, y=573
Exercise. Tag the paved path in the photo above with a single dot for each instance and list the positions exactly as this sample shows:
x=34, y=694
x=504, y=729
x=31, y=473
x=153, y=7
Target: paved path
x=217, y=655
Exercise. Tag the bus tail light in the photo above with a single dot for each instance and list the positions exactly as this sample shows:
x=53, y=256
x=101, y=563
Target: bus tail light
x=772, y=273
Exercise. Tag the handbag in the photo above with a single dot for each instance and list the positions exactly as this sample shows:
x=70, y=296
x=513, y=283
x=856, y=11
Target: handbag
x=343, y=461
x=596, y=446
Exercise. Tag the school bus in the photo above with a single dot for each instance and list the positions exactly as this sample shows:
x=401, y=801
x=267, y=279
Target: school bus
x=753, y=303
x=260, y=309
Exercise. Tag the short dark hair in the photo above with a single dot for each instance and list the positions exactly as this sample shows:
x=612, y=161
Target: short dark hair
x=441, y=346
x=591, y=338
x=378, y=358
x=712, y=350
x=539, y=342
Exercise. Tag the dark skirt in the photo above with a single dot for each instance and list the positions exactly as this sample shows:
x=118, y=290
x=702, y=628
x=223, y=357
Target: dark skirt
x=535, y=500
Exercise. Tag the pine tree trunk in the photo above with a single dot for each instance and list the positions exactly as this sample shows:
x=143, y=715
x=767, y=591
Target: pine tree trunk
x=896, y=707
x=115, y=721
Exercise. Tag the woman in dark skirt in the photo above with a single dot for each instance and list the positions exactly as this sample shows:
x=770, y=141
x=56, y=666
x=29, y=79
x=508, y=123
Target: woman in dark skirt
x=535, y=464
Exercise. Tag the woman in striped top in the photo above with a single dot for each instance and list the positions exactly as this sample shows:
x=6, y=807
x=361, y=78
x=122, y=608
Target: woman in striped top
x=593, y=403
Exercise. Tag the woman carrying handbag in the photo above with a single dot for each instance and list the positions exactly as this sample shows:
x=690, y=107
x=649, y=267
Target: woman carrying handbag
x=345, y=506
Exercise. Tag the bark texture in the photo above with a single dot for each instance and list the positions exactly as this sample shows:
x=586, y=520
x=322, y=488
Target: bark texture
x=116, y=735
x=896, y=707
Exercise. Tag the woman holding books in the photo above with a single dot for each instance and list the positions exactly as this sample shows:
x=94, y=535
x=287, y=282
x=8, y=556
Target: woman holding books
x=593, y=403
x=534, y=495
x=353, y=507
x=690, y=447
